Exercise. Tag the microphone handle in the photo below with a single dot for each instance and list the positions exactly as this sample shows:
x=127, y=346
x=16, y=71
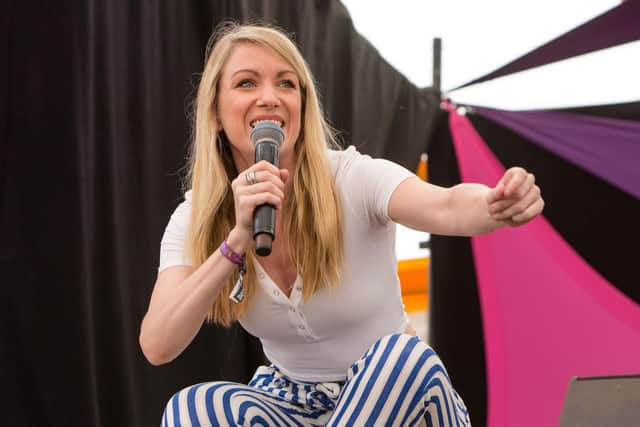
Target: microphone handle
x=264, y=216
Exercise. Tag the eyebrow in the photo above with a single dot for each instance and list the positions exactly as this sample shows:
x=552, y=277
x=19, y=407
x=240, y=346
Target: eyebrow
x=255, y=73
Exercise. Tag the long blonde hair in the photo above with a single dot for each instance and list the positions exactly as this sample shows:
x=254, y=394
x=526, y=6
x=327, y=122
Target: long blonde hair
x=314, y=213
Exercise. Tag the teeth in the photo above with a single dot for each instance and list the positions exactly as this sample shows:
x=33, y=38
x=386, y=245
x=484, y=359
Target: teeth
x=275, y=122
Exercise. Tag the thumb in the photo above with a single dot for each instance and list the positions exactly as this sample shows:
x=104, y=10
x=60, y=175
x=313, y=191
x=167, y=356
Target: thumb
x=496, y=193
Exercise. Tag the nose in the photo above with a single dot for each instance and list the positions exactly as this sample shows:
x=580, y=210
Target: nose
x=268, y=97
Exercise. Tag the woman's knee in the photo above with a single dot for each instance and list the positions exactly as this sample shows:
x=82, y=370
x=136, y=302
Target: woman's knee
x=400, y=343
x=409, y=353
x=181, y=407
x=171, y=414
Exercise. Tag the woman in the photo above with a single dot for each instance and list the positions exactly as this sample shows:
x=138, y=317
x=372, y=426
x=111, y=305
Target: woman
x=325, y=303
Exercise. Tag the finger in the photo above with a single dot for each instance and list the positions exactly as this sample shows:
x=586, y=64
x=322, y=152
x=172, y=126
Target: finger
x=521, y=205
x=495, y=194
x=530, y=213
x=238, y=182
x=505, y=179
x=525, y=187
x=514, y=178
x=265, y=187
x=243, y=191
x=243, y=178
x=517, y=195
x=499, y=206
x=263, y=165
x=267, y=176
x=250, y=201
x=259, y=176
x=268, y=198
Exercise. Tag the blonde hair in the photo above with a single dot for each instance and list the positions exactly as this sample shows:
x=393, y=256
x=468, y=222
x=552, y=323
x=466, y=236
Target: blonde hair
x=314, y=212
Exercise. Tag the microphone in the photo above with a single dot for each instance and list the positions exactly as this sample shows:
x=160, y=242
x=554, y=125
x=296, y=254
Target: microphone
x=267, y=139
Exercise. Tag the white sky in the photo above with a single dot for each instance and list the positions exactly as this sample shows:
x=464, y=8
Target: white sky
x=481, y=36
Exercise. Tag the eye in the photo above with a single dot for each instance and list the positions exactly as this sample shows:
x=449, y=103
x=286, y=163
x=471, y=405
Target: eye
x=288, y=84
x=246, y=83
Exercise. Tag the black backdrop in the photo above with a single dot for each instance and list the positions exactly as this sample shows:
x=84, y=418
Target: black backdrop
x=94, y=99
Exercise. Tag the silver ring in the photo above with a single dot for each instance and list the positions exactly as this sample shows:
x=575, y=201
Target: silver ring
x=250, y=177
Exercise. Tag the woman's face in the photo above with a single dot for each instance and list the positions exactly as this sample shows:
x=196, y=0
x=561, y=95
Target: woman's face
x=257, y=84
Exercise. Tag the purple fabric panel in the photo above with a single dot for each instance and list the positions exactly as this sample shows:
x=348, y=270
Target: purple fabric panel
x=616, y=26
x=607, y=148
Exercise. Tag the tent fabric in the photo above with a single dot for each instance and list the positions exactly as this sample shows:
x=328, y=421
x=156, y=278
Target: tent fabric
x=598, y=220
x=547, y=314
x=606, y=147
x=94, y=136
x=624, y=111
x=616, y=26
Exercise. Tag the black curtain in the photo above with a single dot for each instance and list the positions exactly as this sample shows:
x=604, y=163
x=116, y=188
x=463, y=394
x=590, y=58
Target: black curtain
x=455, y=321
x=598, y=220
x=93, y=114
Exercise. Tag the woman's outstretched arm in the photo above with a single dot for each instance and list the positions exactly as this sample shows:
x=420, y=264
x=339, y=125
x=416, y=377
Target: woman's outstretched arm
x=467, y=209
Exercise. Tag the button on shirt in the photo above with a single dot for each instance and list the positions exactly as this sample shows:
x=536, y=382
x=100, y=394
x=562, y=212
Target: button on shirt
x=286, y=310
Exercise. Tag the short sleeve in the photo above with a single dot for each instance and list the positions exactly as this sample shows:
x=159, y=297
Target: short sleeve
x=172, y=245
x=367, y=183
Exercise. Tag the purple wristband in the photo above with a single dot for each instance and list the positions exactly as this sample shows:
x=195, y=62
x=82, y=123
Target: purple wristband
x=229, y=254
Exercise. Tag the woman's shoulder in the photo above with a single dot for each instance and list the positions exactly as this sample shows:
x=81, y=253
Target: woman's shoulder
x=186, y=203
x=342, y=160
x=182, y=211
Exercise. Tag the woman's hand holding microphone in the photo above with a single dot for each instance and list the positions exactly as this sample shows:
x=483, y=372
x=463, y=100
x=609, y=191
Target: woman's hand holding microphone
x=259, y=184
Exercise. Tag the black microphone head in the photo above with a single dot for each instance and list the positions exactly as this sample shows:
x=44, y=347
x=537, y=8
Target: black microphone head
x=267, y=132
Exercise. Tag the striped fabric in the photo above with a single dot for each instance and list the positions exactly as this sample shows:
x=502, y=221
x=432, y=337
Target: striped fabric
x=400, y=381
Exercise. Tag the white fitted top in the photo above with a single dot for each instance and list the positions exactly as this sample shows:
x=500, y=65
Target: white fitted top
x=319, y=340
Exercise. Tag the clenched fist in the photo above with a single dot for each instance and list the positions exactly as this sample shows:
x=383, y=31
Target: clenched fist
x=516, y=199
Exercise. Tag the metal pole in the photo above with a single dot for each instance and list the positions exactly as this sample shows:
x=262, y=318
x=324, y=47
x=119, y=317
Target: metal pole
x=437, y=51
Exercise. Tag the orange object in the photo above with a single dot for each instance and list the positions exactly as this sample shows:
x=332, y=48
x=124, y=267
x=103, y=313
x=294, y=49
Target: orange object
x=414, y=282
x=423, y=167
x=414, y=273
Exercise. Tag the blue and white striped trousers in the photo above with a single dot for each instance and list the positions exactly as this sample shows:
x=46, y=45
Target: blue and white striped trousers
x=400, y=381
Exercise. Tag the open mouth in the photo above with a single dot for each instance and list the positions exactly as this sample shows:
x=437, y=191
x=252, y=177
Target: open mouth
x=273, y=122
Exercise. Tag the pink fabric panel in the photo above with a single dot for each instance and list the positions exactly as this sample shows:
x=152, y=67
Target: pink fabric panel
x=547, y=314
